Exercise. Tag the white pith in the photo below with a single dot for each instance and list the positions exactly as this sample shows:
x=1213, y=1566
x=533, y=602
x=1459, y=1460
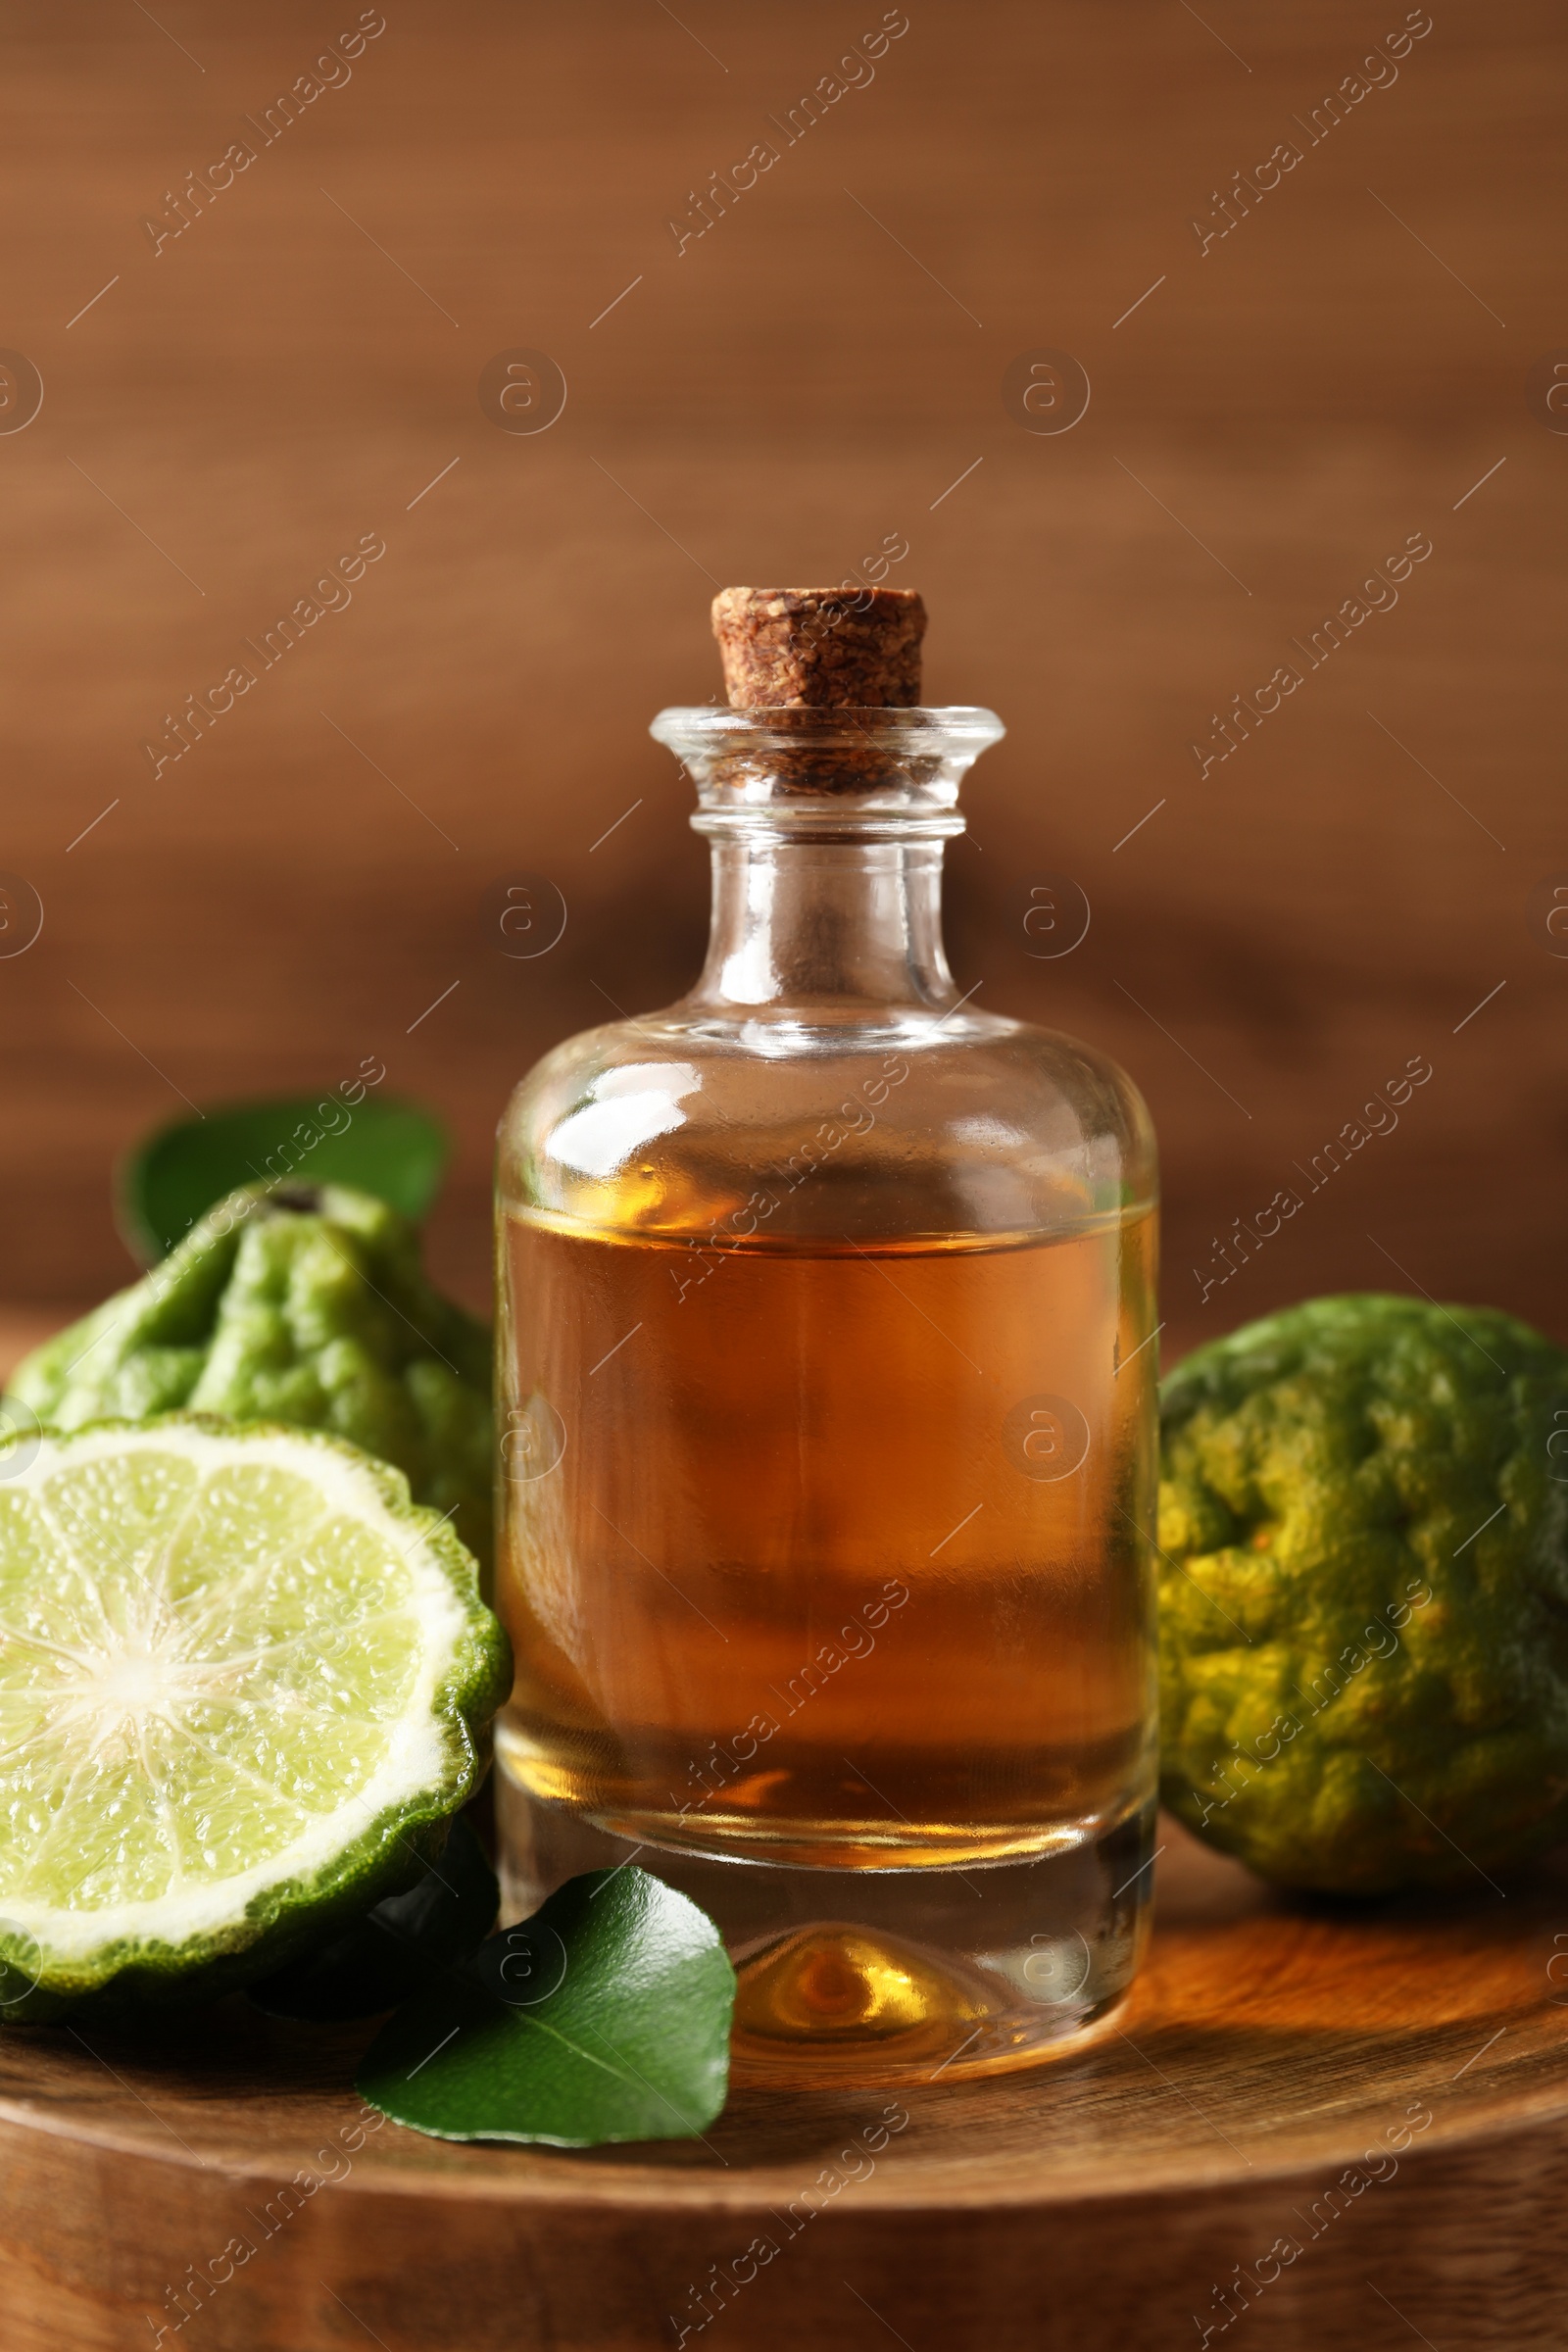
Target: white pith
x=119, y=1679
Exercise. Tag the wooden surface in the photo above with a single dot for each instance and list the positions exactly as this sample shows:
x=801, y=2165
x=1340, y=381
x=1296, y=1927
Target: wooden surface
x=1096, y=2203
x=1282, y=411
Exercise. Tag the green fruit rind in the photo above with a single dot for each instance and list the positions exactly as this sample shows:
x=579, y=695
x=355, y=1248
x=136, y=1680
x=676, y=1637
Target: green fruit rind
x=1364, y=1595
x=302, y=1304
x=358, y=1846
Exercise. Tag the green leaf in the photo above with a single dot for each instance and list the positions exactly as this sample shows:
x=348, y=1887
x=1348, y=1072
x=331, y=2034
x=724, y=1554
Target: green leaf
x=402, y=1945
x=394, y=1149
x=605, y=2017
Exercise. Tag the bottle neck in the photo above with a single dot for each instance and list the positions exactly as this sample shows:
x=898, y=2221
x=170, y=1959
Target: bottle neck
x=830, y=925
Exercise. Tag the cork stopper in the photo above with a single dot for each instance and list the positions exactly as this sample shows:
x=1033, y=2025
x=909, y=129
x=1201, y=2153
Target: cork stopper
x=821, y=648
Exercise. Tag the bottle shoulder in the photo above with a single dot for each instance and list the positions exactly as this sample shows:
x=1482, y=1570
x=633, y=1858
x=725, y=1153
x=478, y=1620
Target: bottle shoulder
x=915, y=1122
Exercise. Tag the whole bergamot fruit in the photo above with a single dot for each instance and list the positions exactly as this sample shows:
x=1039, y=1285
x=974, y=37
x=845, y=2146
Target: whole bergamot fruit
x=306, y=1305
x=1365, y=1594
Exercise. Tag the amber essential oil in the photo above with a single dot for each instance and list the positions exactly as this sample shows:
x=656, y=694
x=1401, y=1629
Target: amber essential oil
x=838, y=1602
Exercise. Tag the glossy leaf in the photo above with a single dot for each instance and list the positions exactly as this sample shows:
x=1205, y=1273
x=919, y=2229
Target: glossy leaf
x=605, y=2017
x=402, y=1945
x=396, y=1151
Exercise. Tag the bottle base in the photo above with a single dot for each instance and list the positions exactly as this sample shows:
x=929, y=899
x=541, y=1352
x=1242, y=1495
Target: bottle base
x=880, y=1977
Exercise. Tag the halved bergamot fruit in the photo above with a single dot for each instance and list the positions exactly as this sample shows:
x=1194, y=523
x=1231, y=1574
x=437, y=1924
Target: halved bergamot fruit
x=244, y=1681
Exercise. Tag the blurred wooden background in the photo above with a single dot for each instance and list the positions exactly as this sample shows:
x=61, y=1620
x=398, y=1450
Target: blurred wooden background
x=1271, y=416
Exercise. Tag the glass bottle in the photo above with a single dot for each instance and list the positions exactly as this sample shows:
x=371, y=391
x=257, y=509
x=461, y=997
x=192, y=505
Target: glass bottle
x=827, y=1388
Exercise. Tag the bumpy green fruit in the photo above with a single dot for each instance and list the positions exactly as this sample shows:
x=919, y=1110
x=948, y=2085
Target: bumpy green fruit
x=305, y=1304
x=1365, y=1594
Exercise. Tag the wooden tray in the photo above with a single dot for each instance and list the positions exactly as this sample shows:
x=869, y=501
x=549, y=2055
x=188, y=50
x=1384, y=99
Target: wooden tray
x=1104, y=2200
